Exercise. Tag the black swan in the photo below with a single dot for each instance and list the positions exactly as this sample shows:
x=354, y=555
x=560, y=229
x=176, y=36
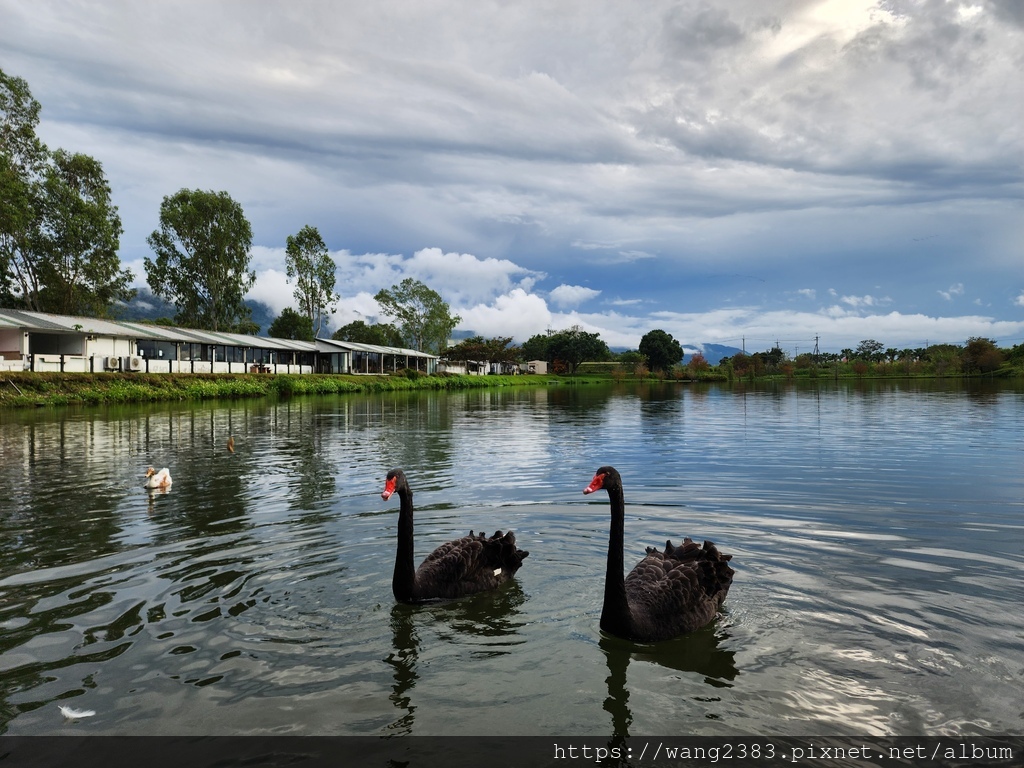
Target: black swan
x=668, y=593
x=474, y=563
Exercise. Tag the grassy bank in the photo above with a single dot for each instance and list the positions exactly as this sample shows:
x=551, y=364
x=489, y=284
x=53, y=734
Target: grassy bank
x=55, y=389
x=25, y=390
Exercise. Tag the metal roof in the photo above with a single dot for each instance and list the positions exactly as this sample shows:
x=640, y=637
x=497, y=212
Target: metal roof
x=56, y=323
x=354, y=346
x=40, y=321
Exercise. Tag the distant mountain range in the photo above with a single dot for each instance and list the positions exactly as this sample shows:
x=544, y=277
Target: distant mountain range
x=713, y=353
x=146, y=306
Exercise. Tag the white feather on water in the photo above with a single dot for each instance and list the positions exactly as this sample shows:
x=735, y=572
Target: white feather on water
x=75, y=714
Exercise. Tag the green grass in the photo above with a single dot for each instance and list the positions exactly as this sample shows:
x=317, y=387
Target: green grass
x=26, y=389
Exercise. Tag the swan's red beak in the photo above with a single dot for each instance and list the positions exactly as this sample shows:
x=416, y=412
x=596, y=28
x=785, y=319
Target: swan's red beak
x=595, y=485
x=389, y=488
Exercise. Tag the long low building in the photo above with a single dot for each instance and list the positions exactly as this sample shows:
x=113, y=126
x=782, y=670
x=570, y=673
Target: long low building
x=42, y=342
x=354, y=357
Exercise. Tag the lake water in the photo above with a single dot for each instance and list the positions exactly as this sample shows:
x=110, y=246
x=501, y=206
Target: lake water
x=877, y=533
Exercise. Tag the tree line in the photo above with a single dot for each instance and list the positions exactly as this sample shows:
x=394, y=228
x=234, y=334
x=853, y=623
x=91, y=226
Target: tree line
x=660, y=355
x=567, y=350
x=977, y=355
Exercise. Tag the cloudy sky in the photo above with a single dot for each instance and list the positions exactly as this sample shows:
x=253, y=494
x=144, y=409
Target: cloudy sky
x=736, y=172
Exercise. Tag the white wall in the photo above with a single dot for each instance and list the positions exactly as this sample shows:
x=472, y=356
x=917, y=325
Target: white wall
x=109, y=347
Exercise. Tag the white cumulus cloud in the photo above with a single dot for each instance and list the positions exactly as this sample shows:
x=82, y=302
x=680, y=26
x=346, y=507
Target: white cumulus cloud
x=518, y=314
x=572, y=295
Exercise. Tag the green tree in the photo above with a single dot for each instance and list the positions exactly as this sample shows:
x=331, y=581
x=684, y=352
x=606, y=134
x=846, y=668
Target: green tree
x=496, y=350
x=423, y=317
x=76, y=247
x=944, y=359
x=22, y=158
x=769, y=361
x=381, y=334
x=59, y=230
x=1015, y=354
x=661, y=350
x=202, y=259
x=291, y=325
x=870, y=350
x=500, y=349
x=804, y=361
x=574, y=346
x=312, y=269
x=981, y=356
x=536, y=347
x=474, y=348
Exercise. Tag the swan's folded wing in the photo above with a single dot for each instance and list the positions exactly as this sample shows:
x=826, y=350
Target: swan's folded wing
x=682, y=587
x=453, y=561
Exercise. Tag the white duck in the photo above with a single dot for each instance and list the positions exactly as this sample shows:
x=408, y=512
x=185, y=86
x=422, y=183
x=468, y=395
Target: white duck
x=161, y=479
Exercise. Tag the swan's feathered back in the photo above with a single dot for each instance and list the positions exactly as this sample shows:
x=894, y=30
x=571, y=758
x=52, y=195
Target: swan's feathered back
x=678, y=590
x=474, y=563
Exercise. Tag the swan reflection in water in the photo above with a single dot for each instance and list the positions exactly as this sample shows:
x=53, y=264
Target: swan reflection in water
x=489, y=624
x=151, y=497
x=403, y=660
x=699, y=653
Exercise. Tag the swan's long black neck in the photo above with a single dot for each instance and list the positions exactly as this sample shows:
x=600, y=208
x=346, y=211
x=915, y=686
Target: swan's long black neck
x=403, y=583
x=615, y=615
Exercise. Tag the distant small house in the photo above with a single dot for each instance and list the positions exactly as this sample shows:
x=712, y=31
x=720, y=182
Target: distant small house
x=462, y=367
x=537, y=366
x=504, y=368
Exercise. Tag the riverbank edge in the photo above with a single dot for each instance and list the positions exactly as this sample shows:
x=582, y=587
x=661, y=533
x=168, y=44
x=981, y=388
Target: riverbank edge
x=38, y=390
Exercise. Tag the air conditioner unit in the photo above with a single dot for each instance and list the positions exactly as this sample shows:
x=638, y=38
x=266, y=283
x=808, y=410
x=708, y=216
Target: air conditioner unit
x=113, y=363
x=134, y=363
